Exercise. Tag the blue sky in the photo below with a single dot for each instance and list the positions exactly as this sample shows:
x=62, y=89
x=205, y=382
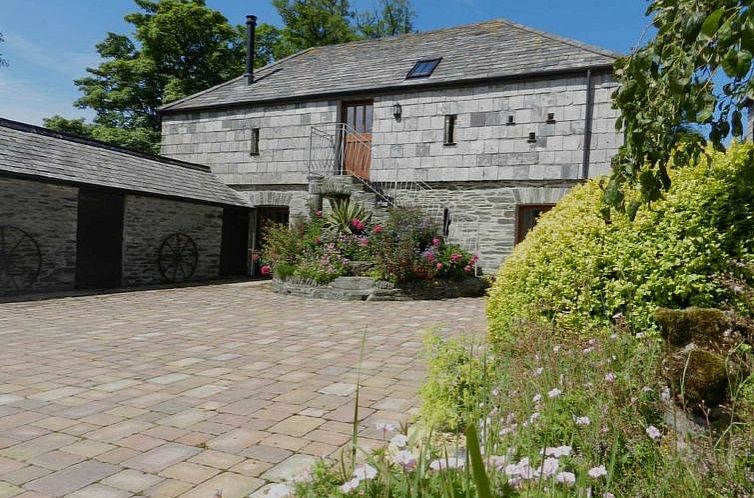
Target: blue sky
x=49, y=43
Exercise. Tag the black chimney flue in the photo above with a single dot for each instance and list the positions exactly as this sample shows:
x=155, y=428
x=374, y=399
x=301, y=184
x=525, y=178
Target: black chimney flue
x=251, y=27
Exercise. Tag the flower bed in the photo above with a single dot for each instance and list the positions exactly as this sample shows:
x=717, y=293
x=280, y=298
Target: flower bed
x=404, y=258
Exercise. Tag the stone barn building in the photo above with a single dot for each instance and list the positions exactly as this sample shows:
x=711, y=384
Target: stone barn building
x=485, y=126
x=77, y=213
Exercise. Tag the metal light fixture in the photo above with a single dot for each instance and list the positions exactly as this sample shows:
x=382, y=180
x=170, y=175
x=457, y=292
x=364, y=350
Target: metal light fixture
x=397, y=111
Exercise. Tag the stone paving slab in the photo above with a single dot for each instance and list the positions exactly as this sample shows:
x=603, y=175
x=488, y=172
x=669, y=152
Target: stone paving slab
x=184, y=392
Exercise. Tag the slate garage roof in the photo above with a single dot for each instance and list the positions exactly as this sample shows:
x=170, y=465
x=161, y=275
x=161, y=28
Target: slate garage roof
x=39, y=153
x=496, y=49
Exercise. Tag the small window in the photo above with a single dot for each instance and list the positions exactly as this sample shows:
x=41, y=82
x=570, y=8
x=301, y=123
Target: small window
x=254, y=149
x=527, y=216
x=450, y=129
x=550, y=118
x=423, y=68
x=511, y=120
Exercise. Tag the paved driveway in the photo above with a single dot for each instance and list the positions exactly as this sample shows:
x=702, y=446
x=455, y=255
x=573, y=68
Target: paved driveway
x=182, y=392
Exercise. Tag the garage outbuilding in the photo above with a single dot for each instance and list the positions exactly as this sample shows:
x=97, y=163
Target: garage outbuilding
x=81, y=214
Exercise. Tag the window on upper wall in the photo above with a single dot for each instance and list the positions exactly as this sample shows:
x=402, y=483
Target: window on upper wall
x=424, y=67
x=450, y=129
x=527, y=216
x=254, y=147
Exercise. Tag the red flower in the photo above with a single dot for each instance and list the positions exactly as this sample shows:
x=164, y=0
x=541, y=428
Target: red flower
x=377, y=229
x=455, y=257
x=439, y=266
x=436, y=242
x=319, y=214
x=357, y=224
x=265, y=270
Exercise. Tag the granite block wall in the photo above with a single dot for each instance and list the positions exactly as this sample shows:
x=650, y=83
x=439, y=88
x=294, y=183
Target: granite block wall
x=486, y=146
x=221, y=140
x=48, y=213
x=149, y=220
x=483, y=214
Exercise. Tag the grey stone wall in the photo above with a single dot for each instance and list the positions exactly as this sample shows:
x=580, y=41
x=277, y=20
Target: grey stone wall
x=487, y=148
x=221, y=140
x=48, y=214
x=148, y=221
x=483, y=214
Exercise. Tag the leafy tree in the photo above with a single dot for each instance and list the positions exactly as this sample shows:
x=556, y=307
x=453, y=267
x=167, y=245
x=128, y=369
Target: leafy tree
x=70, y=126
x=391, y=18
x=180, y=47
x=314, y=23
x=696, y=73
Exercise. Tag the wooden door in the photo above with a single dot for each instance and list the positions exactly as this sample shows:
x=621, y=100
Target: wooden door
x=357, y=138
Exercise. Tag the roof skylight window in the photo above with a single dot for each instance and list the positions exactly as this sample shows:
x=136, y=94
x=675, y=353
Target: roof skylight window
x=423, y=67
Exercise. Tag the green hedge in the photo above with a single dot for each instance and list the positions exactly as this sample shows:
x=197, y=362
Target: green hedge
x=576, y=270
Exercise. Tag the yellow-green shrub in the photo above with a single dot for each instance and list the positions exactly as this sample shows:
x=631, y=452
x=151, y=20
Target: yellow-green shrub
x=576, y=270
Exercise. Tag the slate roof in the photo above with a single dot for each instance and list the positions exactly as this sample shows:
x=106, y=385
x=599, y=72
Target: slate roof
x=496, y=49
x=28, y=150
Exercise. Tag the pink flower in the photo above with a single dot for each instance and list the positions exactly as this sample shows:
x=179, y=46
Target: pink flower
x=377, y=229
x=265, y=270
x=319, y=214
x=363, y=241
x=357, y=224
x=455, y=257
x=439, y=266
x=436, y=242
x=468, y=269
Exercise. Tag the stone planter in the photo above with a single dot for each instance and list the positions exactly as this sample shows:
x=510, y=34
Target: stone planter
x=368, y=289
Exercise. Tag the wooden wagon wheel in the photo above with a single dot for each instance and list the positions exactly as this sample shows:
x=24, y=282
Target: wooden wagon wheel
x=177, y=257
x=20, y=259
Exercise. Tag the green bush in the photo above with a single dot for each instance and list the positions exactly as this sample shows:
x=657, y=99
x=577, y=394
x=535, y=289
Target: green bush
x=576, y=270
x=456, y=384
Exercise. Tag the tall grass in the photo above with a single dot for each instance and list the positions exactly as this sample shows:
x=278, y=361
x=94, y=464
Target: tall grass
x=555, y=417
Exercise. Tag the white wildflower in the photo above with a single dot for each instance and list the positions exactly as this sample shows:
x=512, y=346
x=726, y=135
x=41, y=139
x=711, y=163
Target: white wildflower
x=567, y=478
x=610, y=377
x=405, y=459
x=447, y=463
x=583, y=421
x=556, y=349
x=618, y=316
x=665, y=394
x=607, y=495
x=349, y=486
x=554, y=393
x=587, y=350
x=385, y=427
x=399, y=440
x=597, y=472
x=647, y=389
x=534, y=417
x=365, y=472
x=537, y=398
x=549, y=467
x=653, y=432
x=538, y=371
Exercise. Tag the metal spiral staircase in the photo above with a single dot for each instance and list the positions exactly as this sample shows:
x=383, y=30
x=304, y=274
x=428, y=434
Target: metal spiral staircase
x=337, y=150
